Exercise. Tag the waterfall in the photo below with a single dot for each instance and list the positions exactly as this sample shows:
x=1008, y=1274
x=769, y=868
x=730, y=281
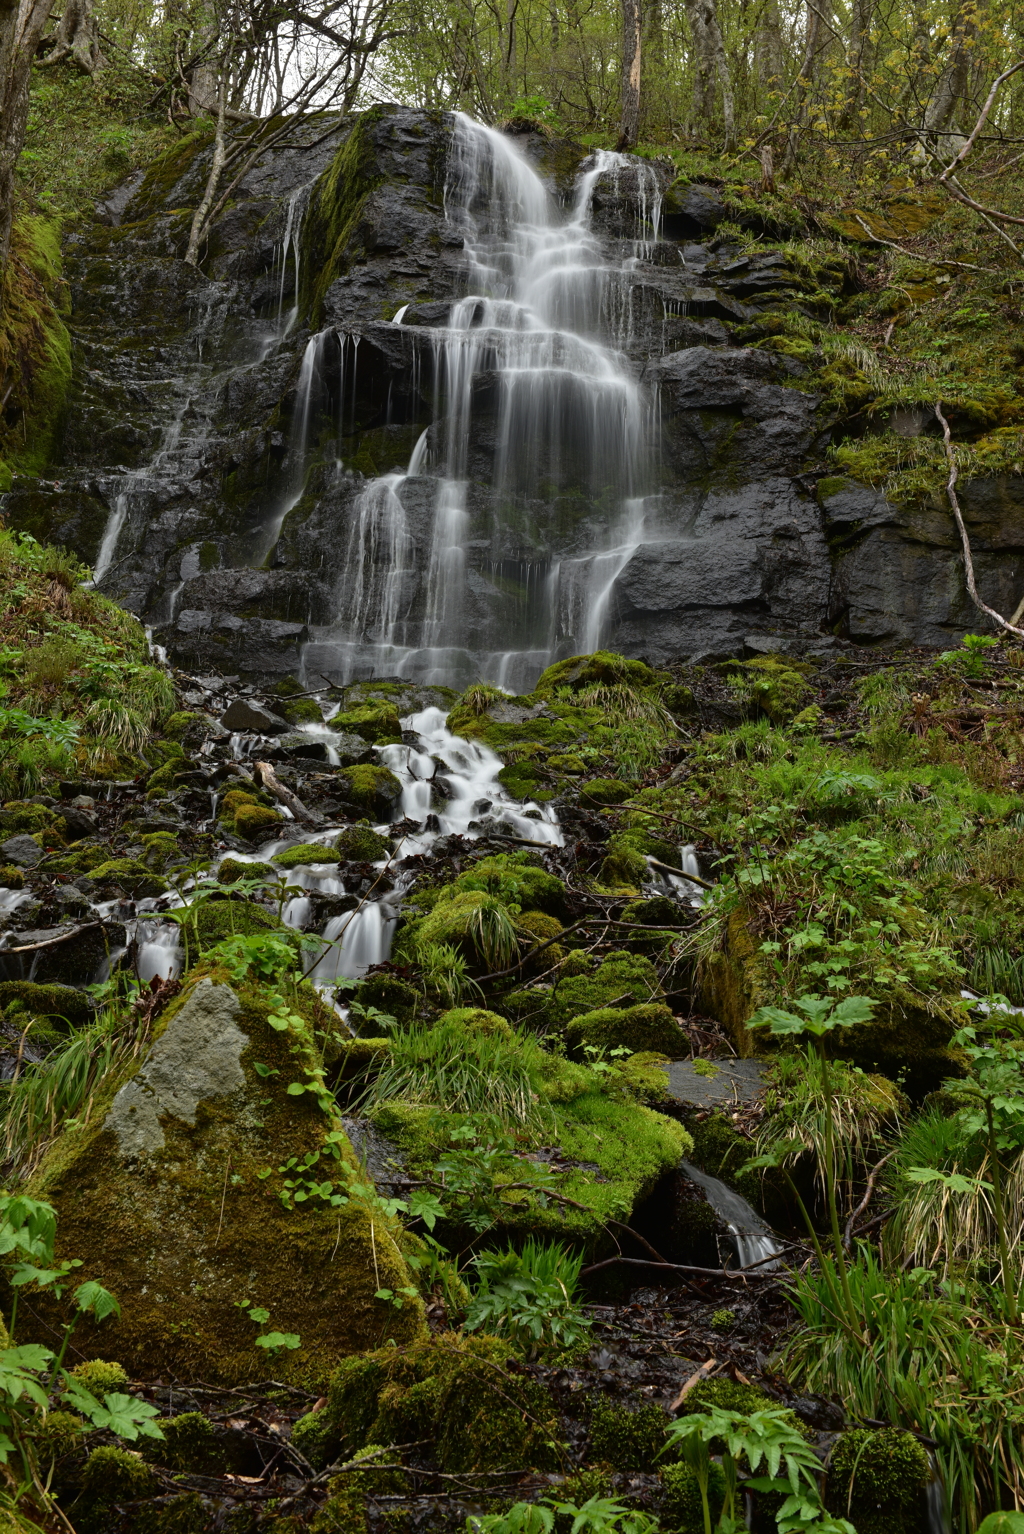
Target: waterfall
x=541, y=436
x=753, y=1240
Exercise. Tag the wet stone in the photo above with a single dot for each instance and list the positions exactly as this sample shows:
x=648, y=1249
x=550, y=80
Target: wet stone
x=733, y=1082
x=23, y=851
x=251, y=717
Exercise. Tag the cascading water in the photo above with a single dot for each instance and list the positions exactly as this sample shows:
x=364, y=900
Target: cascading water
x=754, y=1241
x=541, y=427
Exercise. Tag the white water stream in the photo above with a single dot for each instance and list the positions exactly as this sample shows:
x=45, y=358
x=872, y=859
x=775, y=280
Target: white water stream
x=753, y=1240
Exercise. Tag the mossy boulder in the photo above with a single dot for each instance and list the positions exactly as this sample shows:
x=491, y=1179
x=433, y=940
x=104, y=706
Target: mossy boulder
x=627, y=1439
x=536, y=928
x=362, y=844
x=775, y=683
x=682, y=1506
x=620, y=980
x=211, y=921
x=231, y=870
x=515, y=880
x=387, y=993
x=602, y=667
x=456, y=920
x=178, y=725
x=477, y=1020
x=300, y=711
x=21, y=815
x=253, y=821
x=305, y=853
x=372, y=788
x=373, y=722
x=650, y=1027
x=465, y=1395
x=11, y=877
x=164, y=776
x=130, y=875
x=60, y=1002
x=598, y=793
x=878, y=1478
x=111, y=1476
x=165, y=1196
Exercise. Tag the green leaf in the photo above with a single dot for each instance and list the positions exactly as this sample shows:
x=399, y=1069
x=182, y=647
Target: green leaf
x=273, y=1341
x=93, y=1297
x=296, y=1088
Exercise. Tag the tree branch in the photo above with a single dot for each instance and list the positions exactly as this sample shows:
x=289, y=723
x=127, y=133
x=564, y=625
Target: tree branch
x=965, y=541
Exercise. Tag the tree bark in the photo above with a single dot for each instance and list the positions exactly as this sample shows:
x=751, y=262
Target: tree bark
x=629, y=122
x=950, y=87
x=805, y=82
x=76, y=38
x=212, y=180
x=711, y=61
x=858, y=58
x=21, y=27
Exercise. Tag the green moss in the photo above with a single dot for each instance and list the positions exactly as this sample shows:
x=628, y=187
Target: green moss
x=99, y=1376
x=211, y=921
x=176, y=726
x=11, y=877
x=373, y=721
x=186, y=1227
x=131, y=875
x=54, y=1001
x=305, y=853
x=302, y=711
x=649, y=1027
x=190, y=1443
x=35, y=347
x=344, y=1512
x=621, y=980
x=773, y=683
x=110, y=1476
x=727, y=1395
x=19, y=816
x=599, y=792
x=456, y=920
x=253, y=821
x=514, y=879
x=459, y=1393
x=627, y=1439
x=231, y=870
x=331, y=225
x=681, y=1501
x=388, y=993
x=164, y=776
x=161, y=847
x=878, y=1478
x=478, y=1019
x=375, y=788
x=603, y=666
x=631, y=1146
x=362, y=844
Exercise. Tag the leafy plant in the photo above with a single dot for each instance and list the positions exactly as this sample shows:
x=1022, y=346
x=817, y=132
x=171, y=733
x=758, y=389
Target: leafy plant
x=770, y=1437
x=820, y=1017
x=529, y=1297
x=969, y=660
x=598, y=1515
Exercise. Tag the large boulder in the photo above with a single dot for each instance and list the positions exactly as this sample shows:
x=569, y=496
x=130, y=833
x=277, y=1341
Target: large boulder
x=173, y=1196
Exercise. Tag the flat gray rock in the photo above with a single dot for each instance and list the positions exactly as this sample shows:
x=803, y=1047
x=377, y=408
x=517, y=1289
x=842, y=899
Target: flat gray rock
x=734, y=1082
x=252, y=719
x=22, y=850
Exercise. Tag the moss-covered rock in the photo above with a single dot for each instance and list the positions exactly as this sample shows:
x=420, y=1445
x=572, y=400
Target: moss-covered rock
x=11, y=877
x=60, y=1002
x=253, y=821
x=878, y=1478
x=130, y=875
x=305, y=853
x=627, y=1439
x=165, y=1196
x=682, y=1506
x=534, y=928
x=301, y=711
x=650, y=1027
x=604, y=667
x=178, y=725
x=362, y=844
x=21, y=815
x=620, y=980
x=459, y=1393
x=372, y=788
x=390, y=994
x=111, y=1476
x=456, y=920
x=516, y=879
x=600, y=792
x=211, y=921
x=231, y=870
x=374, y=722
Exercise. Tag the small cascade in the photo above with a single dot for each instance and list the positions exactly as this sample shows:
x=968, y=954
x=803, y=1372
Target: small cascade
x=570, y=428
x=679, y=885
x=290, y=251
x=936, y=1501
x=158, y=950
x=356, y=941
x=450, y=787
x=753, y=1240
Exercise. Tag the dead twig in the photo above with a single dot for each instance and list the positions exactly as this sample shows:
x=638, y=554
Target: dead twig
x=954, y=502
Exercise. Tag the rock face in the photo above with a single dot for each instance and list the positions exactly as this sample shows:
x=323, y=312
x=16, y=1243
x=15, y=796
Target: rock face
x=172, y=1199
x=224, y=423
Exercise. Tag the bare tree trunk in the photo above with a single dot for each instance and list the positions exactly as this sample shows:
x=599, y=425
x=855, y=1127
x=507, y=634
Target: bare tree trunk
x=629, y=122
x=21, y=27
x=804, y=84
x=859, y=58
x=216, y=166
x=711, y=61
x=769, y=50
x=950, y=87
x=76, y=37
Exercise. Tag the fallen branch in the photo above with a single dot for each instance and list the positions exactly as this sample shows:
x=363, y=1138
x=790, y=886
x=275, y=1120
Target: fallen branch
x=270, y=781
x=865, y=1201
x=668, y=869
x=677, y=1267
x=51, y=942
x=965, y=541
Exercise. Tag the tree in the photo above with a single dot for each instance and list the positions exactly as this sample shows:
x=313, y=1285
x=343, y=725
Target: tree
x=629, y=122
x=21, y=27
x=75, y=38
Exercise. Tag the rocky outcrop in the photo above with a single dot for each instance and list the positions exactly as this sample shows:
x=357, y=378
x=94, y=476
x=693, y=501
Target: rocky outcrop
x=172, y=1196
x=223, y=423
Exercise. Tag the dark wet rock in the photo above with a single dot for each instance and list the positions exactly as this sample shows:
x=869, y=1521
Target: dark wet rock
x=79, y=822
x=716, y=1083
x=252, y=718
x=68, y=956
x=23, y=851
